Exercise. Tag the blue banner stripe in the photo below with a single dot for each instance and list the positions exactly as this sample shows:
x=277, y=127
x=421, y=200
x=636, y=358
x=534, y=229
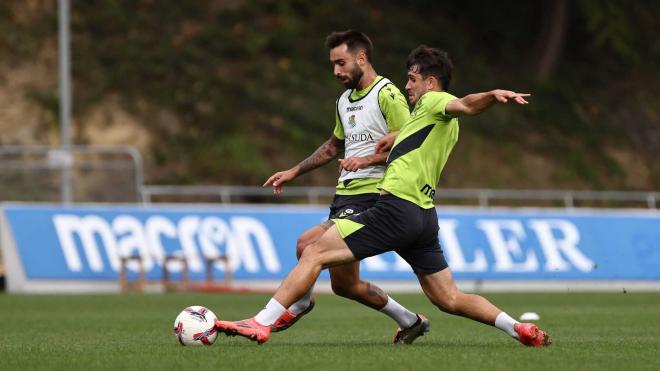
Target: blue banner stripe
x=83, y=243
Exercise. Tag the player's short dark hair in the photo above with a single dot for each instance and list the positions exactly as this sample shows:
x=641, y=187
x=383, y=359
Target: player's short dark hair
x=432, y=62
x=354, y=40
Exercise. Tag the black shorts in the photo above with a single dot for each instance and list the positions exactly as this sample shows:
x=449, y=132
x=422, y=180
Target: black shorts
x=343, y=206
x=394, y=224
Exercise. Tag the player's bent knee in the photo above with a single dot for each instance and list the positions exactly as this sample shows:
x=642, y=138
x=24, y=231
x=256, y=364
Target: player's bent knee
x=301, y=244
x=306, y=239
x=313, y=254
x=343, y=288
x=316, y=254
x=339, y=289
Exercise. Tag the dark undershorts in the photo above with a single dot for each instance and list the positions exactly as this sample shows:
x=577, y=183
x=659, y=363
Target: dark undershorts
x=394, y=224
x=343, y=206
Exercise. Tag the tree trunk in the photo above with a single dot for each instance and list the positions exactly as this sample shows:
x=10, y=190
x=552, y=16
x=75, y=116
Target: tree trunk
x=553, y=35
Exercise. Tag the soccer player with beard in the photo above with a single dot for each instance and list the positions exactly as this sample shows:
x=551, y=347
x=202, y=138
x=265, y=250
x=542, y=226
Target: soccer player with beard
x=369, y=109
x=404, y=218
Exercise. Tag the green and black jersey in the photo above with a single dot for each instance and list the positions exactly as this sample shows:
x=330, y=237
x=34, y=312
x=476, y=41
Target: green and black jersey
x=362, y=118
x=421, y=150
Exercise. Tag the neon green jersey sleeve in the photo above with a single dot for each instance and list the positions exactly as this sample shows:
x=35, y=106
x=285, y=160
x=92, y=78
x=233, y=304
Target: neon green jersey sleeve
x=437, y=105
x=394, y=107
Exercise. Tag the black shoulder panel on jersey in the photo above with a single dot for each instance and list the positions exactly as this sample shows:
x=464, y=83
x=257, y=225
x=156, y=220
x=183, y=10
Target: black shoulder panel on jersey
x=412, y=142
x=378, y=100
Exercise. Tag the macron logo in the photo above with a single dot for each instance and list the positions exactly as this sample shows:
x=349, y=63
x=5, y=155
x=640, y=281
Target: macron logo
x=94, y=241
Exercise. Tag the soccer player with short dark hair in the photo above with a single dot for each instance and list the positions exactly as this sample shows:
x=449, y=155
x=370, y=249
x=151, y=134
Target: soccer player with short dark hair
x=404, y=219
x=369, y=109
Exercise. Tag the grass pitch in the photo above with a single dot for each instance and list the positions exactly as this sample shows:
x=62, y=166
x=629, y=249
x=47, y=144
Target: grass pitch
x=594, y=331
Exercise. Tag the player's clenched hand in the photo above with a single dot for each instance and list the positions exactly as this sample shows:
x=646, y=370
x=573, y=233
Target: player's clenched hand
x=385, y=143
x=503, y=96
x=354, y=163
x=278, y=179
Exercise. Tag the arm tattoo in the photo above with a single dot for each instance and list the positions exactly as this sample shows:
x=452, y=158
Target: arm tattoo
x=326, y=152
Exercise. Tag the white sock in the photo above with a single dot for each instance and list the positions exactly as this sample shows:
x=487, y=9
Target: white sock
x=270, y=313
x=505, y=323
x=401, y=315
x=302, y=304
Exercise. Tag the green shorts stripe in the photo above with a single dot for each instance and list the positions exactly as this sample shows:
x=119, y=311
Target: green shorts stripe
x=358, y=186
x=346, y=227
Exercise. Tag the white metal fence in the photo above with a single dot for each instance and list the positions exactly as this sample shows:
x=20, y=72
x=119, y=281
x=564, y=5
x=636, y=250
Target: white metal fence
x=481, y=197
x=77, y=174
x=115, y=174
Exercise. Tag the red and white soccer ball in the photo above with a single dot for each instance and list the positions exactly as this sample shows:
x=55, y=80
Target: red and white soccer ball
x=195, y=325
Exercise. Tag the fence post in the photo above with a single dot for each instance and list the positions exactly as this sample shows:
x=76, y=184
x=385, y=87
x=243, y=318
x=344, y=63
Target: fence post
x=568, y=201
x=483, y=200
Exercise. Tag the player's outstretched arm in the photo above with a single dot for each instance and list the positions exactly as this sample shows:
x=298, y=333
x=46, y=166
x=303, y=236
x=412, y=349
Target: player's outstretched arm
x=474, y=104
x=324, y=154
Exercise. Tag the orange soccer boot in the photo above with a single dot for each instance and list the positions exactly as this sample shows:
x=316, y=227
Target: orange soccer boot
x=531, y=335
x=287, y=319
x=248, y=328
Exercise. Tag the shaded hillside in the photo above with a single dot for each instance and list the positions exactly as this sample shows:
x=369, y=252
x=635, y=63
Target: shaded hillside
x=228, y=92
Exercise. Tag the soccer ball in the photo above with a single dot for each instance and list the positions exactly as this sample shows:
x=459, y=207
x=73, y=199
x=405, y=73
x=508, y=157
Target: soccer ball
x=195, y=325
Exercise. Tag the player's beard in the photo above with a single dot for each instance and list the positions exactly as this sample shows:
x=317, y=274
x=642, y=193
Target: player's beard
x=355, y=77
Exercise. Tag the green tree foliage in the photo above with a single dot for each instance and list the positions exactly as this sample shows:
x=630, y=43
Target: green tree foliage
x=251, y=85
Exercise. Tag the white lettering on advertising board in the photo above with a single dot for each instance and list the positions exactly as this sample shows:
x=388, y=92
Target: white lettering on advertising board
x=513, y=246
x=244, y=239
